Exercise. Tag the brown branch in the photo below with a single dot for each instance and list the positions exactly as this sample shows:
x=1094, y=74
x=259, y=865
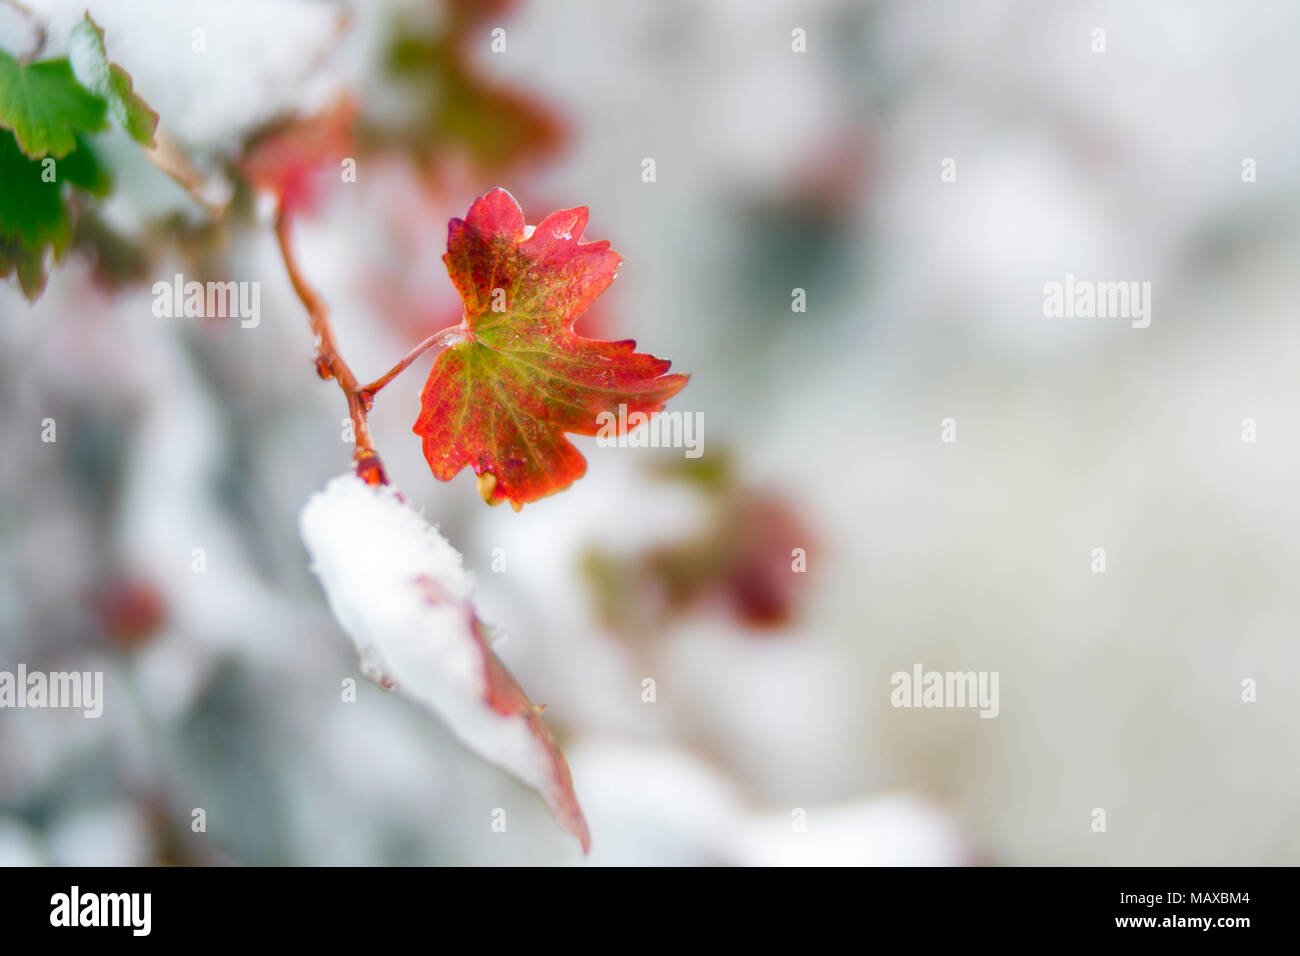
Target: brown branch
x=328, y=360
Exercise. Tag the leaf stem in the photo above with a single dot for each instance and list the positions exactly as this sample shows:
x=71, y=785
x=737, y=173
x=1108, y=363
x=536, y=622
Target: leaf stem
x=331, y=364
x=440, y=339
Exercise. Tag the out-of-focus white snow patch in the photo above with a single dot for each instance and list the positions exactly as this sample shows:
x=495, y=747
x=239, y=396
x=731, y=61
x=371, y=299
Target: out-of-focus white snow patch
x=891, y=830
x=655, y=805
x=665, y=806
x=399, y=590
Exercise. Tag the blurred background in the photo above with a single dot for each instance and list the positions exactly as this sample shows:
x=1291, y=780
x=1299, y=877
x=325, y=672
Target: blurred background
x=919, y=170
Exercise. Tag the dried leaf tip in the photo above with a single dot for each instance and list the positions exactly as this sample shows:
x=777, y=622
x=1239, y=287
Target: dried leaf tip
x=487, y=483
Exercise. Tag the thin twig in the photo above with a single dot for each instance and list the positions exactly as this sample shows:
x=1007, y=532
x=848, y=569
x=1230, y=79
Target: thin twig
x=167, y=156
x=327, y=351
x=443, y=338
x=38, y=25
x=330, y=362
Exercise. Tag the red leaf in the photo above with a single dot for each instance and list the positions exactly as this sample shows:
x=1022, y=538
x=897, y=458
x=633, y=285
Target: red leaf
x=507, y=698
x=298, y=161
x=501, y=399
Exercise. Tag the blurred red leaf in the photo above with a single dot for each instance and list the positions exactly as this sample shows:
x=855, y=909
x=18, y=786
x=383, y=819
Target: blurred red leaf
x=299, y=159
x=463, y=115
x=129, y=611
x=747, y=560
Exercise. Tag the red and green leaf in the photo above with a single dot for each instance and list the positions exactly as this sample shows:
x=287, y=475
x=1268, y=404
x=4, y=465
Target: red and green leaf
x=502, y=398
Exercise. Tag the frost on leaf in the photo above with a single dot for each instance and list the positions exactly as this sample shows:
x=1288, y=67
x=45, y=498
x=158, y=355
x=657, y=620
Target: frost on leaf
x=502, y=399
x=109, y=81
x=398, y=589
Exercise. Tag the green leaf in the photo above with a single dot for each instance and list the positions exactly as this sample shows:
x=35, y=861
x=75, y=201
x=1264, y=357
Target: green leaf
x=45, y=106
x=81, y=168
x=33, y=210
x=91, y=65
x=32, y=218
